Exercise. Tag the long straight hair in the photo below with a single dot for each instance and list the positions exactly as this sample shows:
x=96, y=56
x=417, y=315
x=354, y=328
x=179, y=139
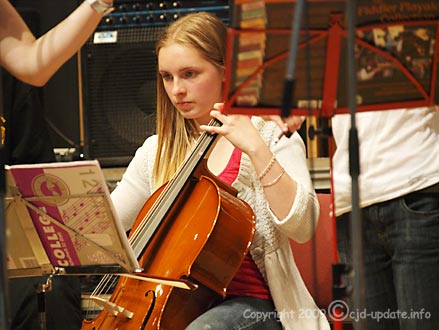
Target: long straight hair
x=207, y=34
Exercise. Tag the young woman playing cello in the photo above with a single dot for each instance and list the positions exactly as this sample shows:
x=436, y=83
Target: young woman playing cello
x=267, y=292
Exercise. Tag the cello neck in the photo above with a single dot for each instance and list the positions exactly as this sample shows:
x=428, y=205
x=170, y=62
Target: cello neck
x=198, y=153
x=153, y=219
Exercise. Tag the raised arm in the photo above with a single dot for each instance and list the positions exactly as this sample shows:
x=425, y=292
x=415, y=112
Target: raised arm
x=34, y=61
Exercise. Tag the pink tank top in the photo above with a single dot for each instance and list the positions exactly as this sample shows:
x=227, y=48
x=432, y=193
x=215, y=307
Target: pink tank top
x=248, y=281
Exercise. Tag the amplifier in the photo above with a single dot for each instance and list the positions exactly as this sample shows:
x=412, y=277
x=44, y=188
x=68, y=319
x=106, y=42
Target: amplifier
x=135, y=13
x=118, y=76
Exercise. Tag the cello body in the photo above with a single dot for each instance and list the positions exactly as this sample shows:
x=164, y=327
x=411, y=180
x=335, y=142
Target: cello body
x=203, y=239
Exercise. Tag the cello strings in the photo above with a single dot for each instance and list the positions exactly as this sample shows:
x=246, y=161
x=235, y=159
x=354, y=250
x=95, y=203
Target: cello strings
x=153, y=218
x=163, y=202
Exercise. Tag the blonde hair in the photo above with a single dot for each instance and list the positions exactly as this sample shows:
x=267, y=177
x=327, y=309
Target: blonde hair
x=207, y=34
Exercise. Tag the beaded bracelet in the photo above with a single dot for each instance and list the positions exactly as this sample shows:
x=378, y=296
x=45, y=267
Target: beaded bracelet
x=275, y=180
x=268, y=167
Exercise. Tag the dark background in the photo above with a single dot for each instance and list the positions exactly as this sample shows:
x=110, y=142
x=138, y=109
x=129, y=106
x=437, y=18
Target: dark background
x=61, y=100
x=101, y=103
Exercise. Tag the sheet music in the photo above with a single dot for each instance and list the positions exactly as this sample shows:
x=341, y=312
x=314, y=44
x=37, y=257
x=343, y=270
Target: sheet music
x=66, y=209
x=396, y=56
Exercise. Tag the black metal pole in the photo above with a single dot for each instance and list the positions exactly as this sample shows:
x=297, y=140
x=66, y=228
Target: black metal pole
x=291, y=64
x=354, y=168
x=4, y=289
x=41, y=290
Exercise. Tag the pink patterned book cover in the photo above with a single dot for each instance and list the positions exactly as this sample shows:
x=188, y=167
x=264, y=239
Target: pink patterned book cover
x=65, y=209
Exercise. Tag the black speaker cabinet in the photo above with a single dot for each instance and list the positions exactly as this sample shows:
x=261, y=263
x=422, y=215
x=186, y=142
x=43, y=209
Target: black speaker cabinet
x=119, y=93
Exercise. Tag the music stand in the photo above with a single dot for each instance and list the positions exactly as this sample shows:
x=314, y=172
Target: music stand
x=60, y=221
x=407, y=78
x=383, y=71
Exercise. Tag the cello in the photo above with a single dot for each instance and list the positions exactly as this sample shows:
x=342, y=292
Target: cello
x=192, y=230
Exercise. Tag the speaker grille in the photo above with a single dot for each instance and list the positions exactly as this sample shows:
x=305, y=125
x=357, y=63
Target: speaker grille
x=120, y=95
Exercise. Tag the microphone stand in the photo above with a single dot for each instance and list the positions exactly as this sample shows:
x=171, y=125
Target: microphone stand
x=289, y=82
x=354, y=169
x=354, y=159
x=291, y=64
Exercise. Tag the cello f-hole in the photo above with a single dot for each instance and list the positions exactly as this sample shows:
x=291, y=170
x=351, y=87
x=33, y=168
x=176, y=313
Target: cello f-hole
x=150, y=309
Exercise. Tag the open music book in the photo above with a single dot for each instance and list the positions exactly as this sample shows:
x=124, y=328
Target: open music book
x=396, y=56
x=60, y=220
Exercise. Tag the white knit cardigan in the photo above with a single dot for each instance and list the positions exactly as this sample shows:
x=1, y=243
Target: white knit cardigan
x=270, y=248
